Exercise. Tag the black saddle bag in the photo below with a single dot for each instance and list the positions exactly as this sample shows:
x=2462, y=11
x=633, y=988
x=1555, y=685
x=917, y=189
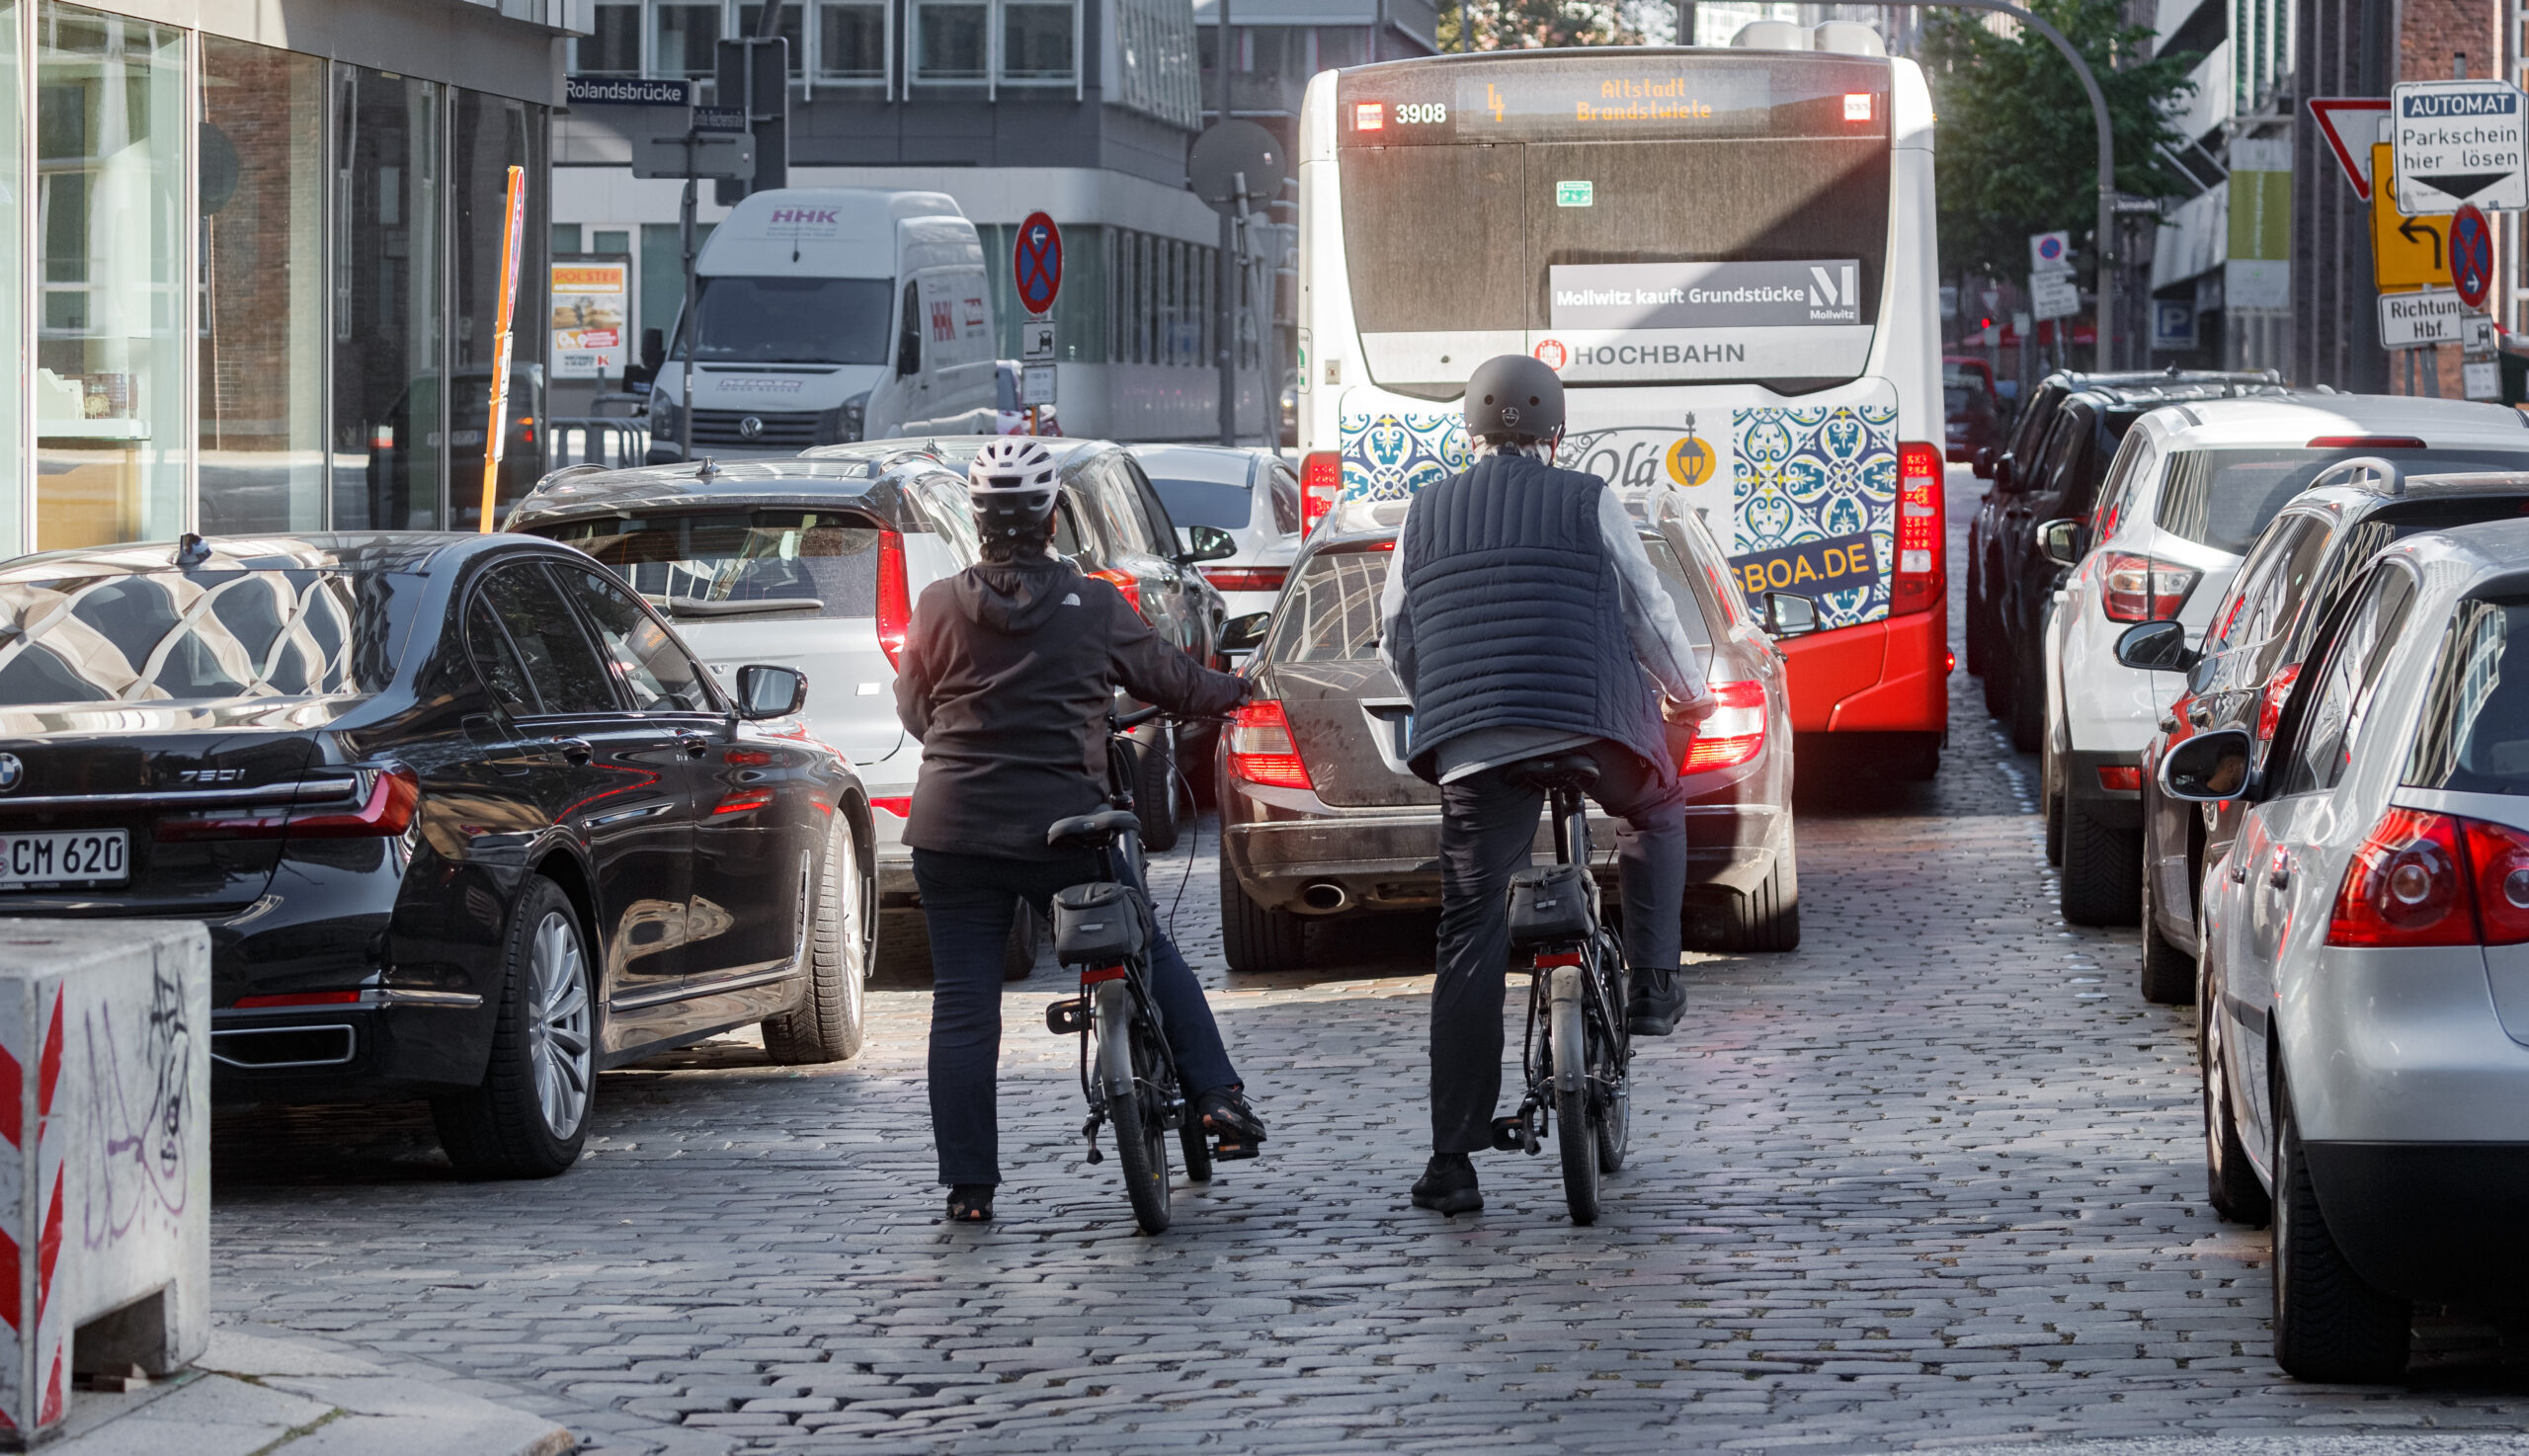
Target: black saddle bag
x=1097, y=924
x=1550, y=902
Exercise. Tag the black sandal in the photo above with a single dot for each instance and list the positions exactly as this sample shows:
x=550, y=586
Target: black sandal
x=970, y=1203
x=1235, y=1128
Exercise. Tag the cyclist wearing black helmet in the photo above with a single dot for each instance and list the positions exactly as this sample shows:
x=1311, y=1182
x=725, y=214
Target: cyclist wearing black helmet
x=1523, y=617
x=1008, y=673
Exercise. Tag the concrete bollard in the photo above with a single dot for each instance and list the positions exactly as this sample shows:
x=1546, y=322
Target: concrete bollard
x=105, y=1157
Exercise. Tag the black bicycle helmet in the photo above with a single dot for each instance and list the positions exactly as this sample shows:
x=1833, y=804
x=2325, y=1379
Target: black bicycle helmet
x=1515, y=395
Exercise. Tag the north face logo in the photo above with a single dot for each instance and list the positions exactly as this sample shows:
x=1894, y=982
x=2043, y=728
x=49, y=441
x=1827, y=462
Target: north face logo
x=1071, y=599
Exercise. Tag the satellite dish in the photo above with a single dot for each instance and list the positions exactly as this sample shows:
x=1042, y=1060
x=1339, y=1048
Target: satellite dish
x=1228, y=152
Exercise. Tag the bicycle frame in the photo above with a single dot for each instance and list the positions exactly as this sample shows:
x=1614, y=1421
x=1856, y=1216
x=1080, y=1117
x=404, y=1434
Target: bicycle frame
x=1561, y=974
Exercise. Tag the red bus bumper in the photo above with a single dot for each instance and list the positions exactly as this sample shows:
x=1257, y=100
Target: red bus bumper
x=1884, y=676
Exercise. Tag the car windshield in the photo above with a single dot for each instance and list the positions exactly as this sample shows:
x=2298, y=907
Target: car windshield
x=1203, y=502
x=2223, y=498
x=709, y=566
x=1332, y=613
x=188, y=635
x=790, y=320
x=2474, y=737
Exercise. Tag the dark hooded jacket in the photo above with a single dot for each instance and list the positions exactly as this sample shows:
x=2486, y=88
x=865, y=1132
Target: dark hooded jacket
x=1006, y=677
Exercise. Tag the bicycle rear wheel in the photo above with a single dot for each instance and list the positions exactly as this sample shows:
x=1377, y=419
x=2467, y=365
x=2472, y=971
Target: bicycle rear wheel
x=1198, y=1150
x=1126, y=1064
x=1575, y=1122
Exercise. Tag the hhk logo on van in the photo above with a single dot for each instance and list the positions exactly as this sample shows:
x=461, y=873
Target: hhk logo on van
x=803, y=222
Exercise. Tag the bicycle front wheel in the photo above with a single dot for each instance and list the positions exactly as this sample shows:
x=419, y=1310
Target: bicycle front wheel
x=1126, y=1066
x=1575, y=1122
x=1611, y=1065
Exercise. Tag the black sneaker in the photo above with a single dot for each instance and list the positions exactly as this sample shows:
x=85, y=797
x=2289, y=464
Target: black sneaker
x=1657, y=1001
x=1448, y=1186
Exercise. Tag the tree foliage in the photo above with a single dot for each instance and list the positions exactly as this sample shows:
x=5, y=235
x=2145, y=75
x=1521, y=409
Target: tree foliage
x=1535, y=25
x=2018, y=149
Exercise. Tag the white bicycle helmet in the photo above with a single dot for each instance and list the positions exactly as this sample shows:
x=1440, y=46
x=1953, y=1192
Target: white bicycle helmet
x=1012, y=484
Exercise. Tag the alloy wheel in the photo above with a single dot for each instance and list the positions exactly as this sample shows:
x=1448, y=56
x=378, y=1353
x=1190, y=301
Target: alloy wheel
x=558, y=1039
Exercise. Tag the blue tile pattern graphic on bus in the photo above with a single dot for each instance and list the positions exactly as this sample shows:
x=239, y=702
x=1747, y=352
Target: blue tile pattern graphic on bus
x=1389, y=454
x=1810, y=473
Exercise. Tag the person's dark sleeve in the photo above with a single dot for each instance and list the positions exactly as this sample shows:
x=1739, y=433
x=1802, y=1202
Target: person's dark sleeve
x=918, y=672
x=1156, y=671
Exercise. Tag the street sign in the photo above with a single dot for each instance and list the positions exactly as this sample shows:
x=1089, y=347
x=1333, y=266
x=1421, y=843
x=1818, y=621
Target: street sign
x=1036, y=263
x=2418, y=320
x=1036, y=384
x=2476, y=334
x=694, y=154
x=1234, y=161
x=625, y=91
x=2460, y=141
x=2053, y=295
x=1036, y=340
x=2471, y=255
x=2050, y=252
x=2481, y=380
x=2405, y=252
x=720, y=119
x=2348, y=124
x=2173, y=324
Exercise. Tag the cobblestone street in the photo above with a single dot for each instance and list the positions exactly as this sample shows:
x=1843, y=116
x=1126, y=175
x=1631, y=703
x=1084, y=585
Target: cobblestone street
x=1933, y=1179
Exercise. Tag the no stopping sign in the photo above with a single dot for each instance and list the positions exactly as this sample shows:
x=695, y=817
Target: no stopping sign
x=1036, y=263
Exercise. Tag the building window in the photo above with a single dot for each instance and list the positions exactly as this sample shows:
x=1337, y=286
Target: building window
x=794, y=22
x=1036, y=41
x=687, y=41
x=492, y=135
x=950, y=40
x=111, y=229
x=852, y=42
x=390, y=433
x=612, y=47
x=12, y=321
x=1156, y=53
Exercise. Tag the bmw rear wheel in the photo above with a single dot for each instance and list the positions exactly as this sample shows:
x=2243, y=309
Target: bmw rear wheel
x=530, y=1115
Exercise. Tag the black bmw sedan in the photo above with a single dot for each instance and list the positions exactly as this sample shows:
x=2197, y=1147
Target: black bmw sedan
x=465, y=819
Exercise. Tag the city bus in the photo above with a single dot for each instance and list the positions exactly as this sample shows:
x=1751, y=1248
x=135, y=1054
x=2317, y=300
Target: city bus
x=1729, y=256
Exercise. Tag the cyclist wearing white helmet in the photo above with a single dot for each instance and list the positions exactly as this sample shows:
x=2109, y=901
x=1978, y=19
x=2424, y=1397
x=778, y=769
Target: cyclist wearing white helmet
x=1008, y=671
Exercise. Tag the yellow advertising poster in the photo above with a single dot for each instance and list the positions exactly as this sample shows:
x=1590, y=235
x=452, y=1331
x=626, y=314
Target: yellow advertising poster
x=590, y=303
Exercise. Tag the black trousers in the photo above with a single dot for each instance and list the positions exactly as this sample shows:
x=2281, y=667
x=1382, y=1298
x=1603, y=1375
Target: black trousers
x=1486, y=829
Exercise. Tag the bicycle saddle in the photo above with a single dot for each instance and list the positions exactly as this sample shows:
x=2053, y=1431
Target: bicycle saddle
x=1089, y=831
x=1553, y=772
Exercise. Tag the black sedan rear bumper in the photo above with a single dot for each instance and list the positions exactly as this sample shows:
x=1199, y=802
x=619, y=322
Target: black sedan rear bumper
x=383, y=1047
x=2431, y=1221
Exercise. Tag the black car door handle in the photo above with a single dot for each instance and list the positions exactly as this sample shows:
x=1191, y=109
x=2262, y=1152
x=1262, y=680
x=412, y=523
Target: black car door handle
x=575, y=750
x=694, y=744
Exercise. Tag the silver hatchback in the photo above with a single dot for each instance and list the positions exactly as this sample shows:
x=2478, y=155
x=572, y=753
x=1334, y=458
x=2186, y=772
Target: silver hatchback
x=2364, y=997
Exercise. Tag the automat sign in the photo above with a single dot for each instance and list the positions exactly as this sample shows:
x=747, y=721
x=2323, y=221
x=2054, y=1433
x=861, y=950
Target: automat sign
x=2459, y=142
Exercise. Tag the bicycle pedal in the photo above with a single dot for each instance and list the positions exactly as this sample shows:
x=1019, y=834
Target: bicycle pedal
x=1088, y=1130
x=1509, y=1134
x=1068, y=1016
x=1172, y=1113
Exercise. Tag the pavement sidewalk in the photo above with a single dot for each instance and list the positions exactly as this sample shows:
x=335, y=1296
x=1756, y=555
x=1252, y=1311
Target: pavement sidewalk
x=258, y=1394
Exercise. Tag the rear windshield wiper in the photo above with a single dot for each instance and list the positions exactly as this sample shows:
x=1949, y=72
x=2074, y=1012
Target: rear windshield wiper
x=703, y=606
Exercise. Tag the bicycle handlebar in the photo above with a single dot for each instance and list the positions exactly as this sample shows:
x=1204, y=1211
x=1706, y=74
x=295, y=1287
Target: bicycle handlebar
x=1120, y=722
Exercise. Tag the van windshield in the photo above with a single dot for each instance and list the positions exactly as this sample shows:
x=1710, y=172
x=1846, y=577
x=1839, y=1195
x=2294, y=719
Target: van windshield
x=790, y=320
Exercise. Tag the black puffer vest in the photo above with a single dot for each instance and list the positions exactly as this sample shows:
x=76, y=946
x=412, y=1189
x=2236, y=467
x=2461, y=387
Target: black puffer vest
x=1515, y=615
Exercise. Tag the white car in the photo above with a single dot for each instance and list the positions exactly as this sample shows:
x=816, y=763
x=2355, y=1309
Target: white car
x=2363, y=1008
x=2190, y=489
x=1252, y=494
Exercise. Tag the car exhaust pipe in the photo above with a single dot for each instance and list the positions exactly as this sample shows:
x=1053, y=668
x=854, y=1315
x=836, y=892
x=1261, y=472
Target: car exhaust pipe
x=1325, y=897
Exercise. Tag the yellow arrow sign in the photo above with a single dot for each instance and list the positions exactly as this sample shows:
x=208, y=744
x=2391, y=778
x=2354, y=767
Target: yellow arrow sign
x=2405, y=252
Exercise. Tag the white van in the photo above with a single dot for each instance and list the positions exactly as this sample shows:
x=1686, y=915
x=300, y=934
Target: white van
x=829, y=315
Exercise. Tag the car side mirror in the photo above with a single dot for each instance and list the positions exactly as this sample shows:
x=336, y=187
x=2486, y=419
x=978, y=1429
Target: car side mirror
x=2209, y=767
x=2002, y=470
x=2156, y=647
x=1241, y=633
x=766, y=691
x=1983, y=465
x=1789, y=614
x=654, y=349
x=2060, y=540
x=1207, y=543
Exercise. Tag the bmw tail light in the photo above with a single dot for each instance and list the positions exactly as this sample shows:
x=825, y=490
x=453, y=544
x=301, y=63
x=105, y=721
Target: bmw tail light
x=2407, y=885
x=1262, y=750
x=895, y=603
x=1131, y=587
x=389, y=800
x=2142, y=590
x=1734, y=733
x=1244, y=578
x=1321, y=481
x=1918, y=584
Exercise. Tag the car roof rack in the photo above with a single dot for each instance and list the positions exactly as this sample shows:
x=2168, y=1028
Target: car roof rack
x=2464, y=483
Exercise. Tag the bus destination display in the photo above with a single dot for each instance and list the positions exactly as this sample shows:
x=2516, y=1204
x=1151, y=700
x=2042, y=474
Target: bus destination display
x=1480, y=102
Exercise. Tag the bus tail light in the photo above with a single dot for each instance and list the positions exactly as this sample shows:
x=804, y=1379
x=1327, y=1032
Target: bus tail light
x=1262, y=750
x=2139, y=589
x=895, y=604
x=1321, y=481
x=1736, y=732
x=1919, y=583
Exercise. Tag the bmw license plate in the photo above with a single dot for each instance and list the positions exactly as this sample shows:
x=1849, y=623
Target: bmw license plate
x=85, y=857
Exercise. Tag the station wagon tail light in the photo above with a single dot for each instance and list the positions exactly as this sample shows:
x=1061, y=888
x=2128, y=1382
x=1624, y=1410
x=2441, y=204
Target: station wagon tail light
x=1262, y=750
x=2269, y=709
x=1321, y=481
x=895, y=604
x=1131, y=589
x=2142, y=590
x=1919, y=584
x=1736, y=732
x=1244, y=578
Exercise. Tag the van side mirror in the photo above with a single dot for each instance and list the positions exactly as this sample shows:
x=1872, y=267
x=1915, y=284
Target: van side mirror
x=2156, y=647
x=1789, y=614
x=2209, y=767
x=2060, y=541
x=654, y=349
x=1207, y=543
x=1244, y=633
x=909, y=333
x=766, y=691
